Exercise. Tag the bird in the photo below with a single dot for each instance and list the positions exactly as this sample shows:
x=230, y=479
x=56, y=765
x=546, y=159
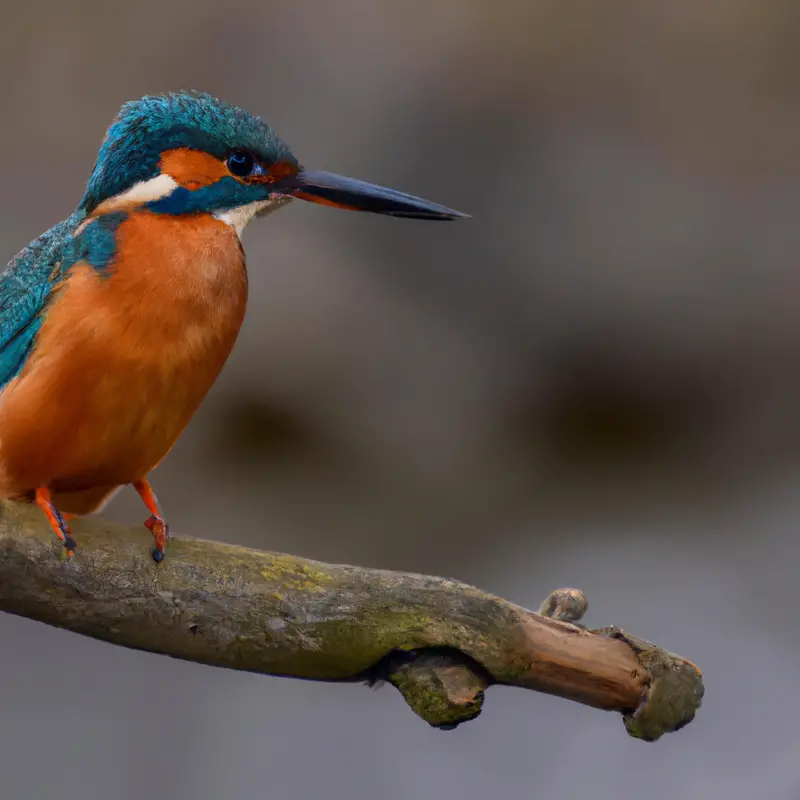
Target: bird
x=116, y=322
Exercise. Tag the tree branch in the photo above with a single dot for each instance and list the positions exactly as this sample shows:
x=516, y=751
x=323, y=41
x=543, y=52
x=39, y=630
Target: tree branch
x=440, y=642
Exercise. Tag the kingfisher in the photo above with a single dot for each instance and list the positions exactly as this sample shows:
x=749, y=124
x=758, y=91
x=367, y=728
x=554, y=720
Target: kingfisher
x=116, y=322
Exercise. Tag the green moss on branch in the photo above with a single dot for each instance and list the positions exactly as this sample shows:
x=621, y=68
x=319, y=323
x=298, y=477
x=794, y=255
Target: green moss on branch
x=278, y=614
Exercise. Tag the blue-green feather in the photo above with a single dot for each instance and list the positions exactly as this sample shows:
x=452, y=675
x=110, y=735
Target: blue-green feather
x=27, y=282
x=225, y=193
x=97, y=243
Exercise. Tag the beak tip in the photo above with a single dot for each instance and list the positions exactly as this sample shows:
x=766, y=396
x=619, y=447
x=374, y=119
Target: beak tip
x=429, y=214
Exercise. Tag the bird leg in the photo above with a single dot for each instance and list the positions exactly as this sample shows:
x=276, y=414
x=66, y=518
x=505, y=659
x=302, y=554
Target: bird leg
x=156, y=523
x=56, y=520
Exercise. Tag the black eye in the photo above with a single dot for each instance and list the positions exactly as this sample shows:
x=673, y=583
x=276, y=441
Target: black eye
x=241, y=163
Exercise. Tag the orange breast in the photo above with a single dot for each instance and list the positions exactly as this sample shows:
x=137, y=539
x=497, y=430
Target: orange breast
x=122, y=362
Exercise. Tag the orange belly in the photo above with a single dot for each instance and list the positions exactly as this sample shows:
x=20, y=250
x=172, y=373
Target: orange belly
x=122, y=362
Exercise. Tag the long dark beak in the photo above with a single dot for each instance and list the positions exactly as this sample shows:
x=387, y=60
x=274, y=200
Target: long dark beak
x=340, y=192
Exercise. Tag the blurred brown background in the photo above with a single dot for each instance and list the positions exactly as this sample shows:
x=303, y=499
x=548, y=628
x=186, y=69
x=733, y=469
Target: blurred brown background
x=593, y=382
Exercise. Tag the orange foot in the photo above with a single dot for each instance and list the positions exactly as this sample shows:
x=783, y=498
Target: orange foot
x=56, y=520
x=160, y=531
x=156, y=523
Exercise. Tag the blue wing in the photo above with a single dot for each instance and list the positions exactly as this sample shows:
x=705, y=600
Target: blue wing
x=30, y=277
x=25, y=285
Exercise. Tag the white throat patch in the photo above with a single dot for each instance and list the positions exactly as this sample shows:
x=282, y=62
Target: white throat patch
x=238, y=217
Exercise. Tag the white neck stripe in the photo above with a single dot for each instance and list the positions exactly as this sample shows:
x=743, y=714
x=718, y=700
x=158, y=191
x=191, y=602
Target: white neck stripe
x=139, y=194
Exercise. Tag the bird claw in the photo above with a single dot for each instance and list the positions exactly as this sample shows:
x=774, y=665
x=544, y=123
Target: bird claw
x=160, y=530
x=70, y=545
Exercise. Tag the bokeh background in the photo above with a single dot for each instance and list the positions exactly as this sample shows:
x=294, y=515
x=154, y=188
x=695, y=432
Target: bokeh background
x=593, y=382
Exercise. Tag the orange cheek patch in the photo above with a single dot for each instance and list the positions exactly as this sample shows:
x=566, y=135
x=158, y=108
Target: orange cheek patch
x=192, y=169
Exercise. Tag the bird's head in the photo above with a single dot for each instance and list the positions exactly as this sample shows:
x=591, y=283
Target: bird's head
x=188, y=153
